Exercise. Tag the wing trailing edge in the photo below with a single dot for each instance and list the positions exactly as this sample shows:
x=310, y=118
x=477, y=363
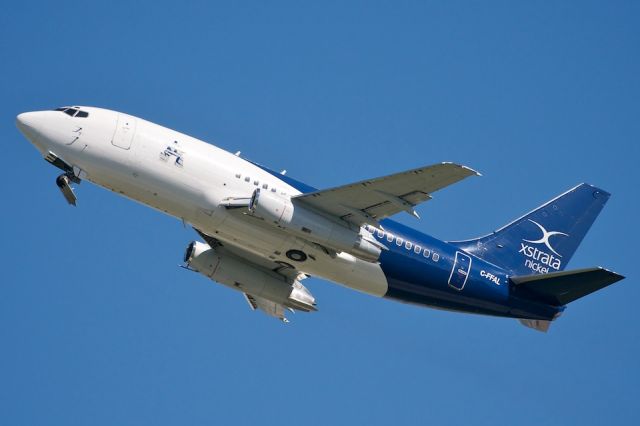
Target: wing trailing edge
x=371, y=200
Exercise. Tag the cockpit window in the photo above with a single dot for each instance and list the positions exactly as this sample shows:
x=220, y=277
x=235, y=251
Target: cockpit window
x=73, y=112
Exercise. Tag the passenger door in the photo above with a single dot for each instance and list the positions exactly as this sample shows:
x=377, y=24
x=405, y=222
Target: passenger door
x=125, y=130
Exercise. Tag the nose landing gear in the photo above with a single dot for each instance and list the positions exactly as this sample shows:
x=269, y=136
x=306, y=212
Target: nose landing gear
x=63, y=181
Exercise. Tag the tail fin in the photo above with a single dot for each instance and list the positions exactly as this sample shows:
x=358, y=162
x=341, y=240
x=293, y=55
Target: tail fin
x=543, y=240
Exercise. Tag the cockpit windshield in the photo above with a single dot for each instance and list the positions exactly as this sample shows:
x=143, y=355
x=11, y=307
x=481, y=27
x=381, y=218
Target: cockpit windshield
x=73, y=112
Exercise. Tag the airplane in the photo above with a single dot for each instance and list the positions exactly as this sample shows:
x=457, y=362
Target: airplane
x=264, y=232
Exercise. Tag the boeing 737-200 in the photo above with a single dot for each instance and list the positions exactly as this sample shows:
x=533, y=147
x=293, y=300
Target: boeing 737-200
x=264, y=232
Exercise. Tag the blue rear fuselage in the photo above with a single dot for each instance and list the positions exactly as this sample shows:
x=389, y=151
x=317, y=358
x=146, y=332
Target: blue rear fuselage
x=427, y=271
x=442, y=275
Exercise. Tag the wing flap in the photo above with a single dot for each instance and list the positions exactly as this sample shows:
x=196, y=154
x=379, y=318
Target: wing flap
x=374, y=199
x=270, y=308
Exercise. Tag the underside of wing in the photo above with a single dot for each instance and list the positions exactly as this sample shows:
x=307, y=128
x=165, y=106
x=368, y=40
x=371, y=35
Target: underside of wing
x=284, y=269
x=269, y=286
x=270, y=308
x=371, y=200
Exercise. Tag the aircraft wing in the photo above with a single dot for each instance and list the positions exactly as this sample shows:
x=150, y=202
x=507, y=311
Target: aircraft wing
x=270, y=308
x=273, y=309
x=371, y=200
x=285, y=270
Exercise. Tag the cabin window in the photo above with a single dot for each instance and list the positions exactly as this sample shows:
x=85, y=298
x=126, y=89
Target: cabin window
x=380, y=233
x=265, y=186
x=389, y=237
x=273, y=190
x=247, y=179
x=408, y=245
x=436, y=257
x=256, y=183
x=238, y=175
x=399, y=241
x=417, y=249
x=426, y=253
x=73, y=111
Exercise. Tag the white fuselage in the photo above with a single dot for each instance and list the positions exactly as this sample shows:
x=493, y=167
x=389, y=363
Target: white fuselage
x=188, y=179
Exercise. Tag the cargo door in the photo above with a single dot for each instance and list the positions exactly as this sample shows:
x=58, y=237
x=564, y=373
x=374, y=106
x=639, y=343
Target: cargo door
x=460, y=271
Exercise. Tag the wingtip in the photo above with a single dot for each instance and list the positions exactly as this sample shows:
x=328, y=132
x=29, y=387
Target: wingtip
x=475, y=172
x=619, y=277
x=462, y=166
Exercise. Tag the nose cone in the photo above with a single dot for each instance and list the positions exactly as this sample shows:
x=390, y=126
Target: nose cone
x=23, y=120
x=29, y=124
x=44, y=129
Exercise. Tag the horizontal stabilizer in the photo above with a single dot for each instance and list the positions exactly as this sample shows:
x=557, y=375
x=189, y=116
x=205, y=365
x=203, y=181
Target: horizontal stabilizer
x=560, y=288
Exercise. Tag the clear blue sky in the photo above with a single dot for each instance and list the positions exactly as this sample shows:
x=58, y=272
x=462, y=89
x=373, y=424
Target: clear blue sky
x=98, y=325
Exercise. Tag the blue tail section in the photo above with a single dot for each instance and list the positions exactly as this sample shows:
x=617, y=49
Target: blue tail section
x=544, y=240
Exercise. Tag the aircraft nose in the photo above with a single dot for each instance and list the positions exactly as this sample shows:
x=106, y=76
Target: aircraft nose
x=27, y=122
x=36, y=126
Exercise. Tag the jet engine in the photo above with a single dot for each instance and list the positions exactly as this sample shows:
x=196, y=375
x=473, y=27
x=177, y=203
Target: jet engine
x=240, y=274
x=279, y=210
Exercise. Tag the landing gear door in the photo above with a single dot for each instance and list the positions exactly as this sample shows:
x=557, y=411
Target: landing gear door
x=125, y=130
x=460, y=271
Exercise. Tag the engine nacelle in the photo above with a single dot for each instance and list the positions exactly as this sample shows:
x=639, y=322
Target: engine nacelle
x=272, y=207
x=247, y=277
x=305, y=223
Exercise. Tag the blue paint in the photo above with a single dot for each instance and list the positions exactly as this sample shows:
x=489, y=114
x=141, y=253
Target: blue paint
x=544, y=240
x=300, y=186
x=414, y=278
x=473, y=275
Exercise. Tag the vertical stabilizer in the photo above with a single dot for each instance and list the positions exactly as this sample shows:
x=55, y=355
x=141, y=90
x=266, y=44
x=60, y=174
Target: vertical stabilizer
x=543, y=240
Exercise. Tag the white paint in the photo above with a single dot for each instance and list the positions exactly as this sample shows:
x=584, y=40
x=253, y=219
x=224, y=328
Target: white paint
x=129, y=156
